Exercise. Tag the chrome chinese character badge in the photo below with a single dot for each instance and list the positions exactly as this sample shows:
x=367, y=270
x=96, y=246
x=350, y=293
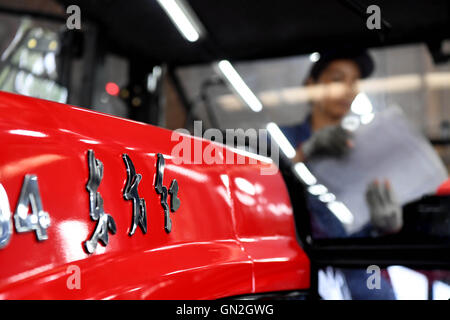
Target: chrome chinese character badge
x=105, y=223
x=130, y=192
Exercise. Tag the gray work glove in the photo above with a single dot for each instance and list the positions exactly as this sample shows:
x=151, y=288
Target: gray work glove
x=385, y=212
x=329, y=141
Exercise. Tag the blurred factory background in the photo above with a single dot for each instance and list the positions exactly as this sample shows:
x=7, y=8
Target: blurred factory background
x=91, y=67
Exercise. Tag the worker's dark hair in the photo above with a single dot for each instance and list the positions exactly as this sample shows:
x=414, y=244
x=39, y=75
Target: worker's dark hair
x=360, y=57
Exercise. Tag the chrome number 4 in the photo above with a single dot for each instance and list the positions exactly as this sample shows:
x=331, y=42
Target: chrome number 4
x=39, y=220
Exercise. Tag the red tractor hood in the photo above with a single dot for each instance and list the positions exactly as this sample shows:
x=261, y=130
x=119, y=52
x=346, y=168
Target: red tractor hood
x=231, y=233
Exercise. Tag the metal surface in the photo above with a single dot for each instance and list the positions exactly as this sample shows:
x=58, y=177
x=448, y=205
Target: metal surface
x=225, y=240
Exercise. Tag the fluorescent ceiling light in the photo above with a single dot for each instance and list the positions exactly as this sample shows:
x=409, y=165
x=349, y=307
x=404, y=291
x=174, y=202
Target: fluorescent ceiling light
x=317, y=189
x=341, y=211
x=183, y=17
x=314, y=57
x=361, y=104
x=280, y=139
x=304, y=174
x=327, y=197
x=367, y=118
x=239, y=86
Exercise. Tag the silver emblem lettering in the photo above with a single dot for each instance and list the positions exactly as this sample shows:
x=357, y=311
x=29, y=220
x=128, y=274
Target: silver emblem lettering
x=5, y=218
x=105, y=223
x=131, y=193
x=38, y=220
x=162, y=190
x=174, y=200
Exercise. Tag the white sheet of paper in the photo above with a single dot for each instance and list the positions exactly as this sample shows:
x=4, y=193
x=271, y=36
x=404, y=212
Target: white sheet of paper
x=386, y=148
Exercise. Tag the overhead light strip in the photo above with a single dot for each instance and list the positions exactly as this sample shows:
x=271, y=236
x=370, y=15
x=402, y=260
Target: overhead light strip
x=281, y=140
x=239, y=86
x=183, y=18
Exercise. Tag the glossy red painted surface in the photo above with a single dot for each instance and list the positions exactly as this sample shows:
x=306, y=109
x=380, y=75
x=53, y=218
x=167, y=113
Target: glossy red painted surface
x=444, y=189
x=233, y=233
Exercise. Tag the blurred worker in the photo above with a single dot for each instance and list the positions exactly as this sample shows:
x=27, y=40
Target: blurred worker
x=333, y=87
x=332, y=82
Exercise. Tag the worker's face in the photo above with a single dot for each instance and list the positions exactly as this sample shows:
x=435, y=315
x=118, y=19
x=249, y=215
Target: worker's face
x=340, y=87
